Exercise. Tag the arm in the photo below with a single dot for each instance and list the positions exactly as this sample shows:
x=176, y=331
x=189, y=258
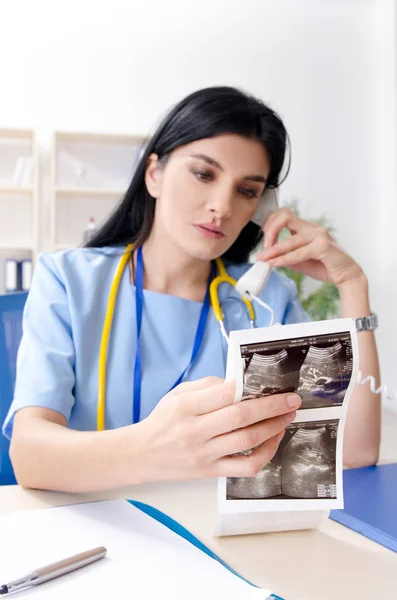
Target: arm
x=47, y=455
x=311, y=250
x=191, y=433
x=362, y=430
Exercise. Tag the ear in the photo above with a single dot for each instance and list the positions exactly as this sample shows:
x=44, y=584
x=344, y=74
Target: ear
x=153, y=176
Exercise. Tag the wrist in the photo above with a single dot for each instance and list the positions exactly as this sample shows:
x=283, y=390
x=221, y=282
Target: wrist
x=354, y=297
x=356, y=284
x=124, y=446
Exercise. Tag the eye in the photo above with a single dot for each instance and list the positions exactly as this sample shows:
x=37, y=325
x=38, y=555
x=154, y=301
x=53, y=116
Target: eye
x=249, y=192
x=203, y=175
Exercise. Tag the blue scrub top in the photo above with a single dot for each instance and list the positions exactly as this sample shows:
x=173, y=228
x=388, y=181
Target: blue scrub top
x=57, y=363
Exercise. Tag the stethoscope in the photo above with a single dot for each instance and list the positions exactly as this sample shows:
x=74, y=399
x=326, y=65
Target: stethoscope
x=211, y=298
x=224, y=277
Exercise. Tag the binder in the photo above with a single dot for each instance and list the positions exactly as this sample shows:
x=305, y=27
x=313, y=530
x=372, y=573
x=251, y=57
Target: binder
x=10, y=275
x=370, y=509
x=17, y=275
x=26, y=274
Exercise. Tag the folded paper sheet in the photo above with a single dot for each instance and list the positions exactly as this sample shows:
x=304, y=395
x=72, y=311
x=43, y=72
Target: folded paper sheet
x=144, y=558
x=303, y=481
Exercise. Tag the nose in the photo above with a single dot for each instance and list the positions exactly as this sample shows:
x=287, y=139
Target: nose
x=220, y=201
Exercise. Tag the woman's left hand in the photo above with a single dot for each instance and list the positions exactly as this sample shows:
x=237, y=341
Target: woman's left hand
x=310, y=249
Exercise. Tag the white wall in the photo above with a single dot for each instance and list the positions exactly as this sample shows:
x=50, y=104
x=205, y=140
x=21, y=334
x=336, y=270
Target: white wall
x=326, y=66
x=385, y=292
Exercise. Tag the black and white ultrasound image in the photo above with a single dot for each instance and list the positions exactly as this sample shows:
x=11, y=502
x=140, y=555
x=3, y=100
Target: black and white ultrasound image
x=304, y=467
x=318, y=368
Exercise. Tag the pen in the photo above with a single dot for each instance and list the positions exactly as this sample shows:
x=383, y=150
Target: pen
x=54, y=570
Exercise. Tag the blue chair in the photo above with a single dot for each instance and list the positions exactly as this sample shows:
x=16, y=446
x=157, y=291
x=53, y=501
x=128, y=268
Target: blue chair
x=11, y=311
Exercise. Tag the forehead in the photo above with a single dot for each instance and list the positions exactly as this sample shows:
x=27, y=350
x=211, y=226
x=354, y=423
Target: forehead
x=233, y=152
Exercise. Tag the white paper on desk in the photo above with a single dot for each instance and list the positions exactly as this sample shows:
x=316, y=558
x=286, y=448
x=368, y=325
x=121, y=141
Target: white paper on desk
x=145, y=560
x=304, y=480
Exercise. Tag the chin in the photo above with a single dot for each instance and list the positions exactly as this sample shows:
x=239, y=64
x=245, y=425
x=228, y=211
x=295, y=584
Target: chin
x=208, y=251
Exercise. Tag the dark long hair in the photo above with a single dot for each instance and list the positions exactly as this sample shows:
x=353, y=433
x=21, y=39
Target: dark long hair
x=204, y=114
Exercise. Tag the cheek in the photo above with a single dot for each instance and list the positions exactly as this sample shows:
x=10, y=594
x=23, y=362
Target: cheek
x=172, y=196
x=243, y=213
x=180, y=194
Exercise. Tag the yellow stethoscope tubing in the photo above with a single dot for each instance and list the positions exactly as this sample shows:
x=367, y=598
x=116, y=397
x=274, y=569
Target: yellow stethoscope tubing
x=103, y=351
x=223, y=277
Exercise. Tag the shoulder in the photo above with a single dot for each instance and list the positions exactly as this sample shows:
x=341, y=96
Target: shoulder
x=74, y=279
x=80, y=257
x=80, y=263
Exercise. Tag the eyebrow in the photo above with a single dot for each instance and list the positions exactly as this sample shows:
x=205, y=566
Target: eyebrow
x=214, y=163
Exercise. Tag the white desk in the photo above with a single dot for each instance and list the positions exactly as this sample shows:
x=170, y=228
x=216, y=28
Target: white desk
x=332, y=563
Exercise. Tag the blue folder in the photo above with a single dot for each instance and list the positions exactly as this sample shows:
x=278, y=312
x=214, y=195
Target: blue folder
x=187, y=535
x=371, y=503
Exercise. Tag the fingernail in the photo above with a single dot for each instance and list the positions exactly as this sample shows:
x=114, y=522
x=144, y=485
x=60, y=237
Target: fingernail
x=293, y=401
x=280, y=436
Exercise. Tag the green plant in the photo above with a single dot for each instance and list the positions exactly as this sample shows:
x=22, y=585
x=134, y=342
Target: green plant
x=322, y=301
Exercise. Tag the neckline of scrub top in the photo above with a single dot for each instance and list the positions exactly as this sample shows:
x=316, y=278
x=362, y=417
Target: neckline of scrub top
x=198, y=338
x=145, y=291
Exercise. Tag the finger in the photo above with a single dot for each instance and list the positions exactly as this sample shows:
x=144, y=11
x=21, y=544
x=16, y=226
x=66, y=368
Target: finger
x=287, y=245
x=287, y=218
x=312, y=268
x=295, y=257
x=248, y=465
x=199, y=384
x=316, y=249
x=245, y=413
x=211, y=398
x=249, y=437
x=280, y=219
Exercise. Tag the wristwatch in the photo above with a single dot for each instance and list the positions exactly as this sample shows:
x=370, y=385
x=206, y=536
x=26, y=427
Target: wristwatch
x=367, y=323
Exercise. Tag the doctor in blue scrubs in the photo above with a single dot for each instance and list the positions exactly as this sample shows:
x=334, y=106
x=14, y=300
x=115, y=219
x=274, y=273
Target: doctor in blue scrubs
x=167, y=412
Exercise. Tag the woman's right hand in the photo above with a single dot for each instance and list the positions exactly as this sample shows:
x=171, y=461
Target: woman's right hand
x=197, y=428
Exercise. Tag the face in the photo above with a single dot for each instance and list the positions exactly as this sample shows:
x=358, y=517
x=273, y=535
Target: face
x=207, y=192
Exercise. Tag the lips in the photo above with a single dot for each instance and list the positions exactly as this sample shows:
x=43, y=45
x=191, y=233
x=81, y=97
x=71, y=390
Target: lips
x=210, y=230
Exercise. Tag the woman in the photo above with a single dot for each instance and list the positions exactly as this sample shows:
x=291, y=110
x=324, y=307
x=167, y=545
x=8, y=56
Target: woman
x=191, y=200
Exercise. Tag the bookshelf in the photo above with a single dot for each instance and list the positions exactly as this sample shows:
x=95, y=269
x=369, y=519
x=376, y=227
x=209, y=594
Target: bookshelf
x=89, y=174
x=19, y=197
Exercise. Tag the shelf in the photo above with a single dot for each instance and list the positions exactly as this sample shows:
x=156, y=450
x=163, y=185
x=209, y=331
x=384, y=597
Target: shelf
x=82, y=191
x=24, y=247
x=26, y=134
x=90, y=174
x=66, y=246
x=107, y=138
x=17, y=189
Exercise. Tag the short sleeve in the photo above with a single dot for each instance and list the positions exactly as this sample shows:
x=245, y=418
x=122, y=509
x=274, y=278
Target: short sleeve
x=46, y=357
x=294, y=312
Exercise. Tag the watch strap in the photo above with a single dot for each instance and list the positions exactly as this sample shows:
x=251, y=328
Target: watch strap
x=367, y=323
